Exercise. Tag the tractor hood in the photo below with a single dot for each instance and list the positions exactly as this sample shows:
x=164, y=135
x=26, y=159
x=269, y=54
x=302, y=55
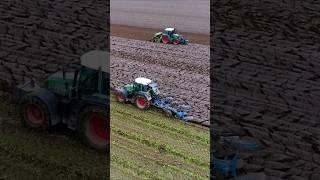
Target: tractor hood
x=96, y=59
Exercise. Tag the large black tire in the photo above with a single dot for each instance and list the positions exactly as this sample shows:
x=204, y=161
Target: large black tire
x=142, y=102
x=35, y=113
x=94, y=128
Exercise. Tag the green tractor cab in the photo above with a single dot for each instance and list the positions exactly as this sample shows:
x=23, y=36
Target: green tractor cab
x=78, y=98
x=169, y=36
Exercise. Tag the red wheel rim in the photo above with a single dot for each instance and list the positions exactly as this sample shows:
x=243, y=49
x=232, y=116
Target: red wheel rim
x=175, y=41
x=34, y=114
x=165, y=39
x=120, y=97
x=98, y=128
x=141, y=103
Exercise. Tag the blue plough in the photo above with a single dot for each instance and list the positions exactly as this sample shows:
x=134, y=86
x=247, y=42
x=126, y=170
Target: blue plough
x=179, y=111
x=228, y=164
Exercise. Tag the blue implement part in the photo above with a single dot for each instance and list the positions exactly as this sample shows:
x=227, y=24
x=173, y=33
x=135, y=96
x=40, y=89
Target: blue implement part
x=183, y=41
x=226, y=166
x=179, y=112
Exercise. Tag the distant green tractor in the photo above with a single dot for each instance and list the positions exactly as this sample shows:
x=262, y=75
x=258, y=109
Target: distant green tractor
x=169, y=36
x=78, y=98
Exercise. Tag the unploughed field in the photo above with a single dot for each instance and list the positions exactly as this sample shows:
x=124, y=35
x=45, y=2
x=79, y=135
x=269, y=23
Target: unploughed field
x=148, y=145
x=145, y=145
x=30, y=154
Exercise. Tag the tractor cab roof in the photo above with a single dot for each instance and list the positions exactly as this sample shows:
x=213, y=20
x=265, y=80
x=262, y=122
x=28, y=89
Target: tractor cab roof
x=143, y=81
x=96, y=59
x=169, y=29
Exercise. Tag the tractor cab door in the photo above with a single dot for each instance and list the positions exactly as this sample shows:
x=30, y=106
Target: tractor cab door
x=88, y=82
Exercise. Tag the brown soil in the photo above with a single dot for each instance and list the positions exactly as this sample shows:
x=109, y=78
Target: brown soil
x=181, y=71
x=147, y=33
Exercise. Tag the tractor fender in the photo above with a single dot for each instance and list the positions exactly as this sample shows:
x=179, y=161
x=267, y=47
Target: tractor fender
x=50, y=100
x=145, y=94
x=176, y=36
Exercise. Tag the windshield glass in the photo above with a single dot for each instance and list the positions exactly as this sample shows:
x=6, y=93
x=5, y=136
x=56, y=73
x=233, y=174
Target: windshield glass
x=154, y=88
x=153, y=85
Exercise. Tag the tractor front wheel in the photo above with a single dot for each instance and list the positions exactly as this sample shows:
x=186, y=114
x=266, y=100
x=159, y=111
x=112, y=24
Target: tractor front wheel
x=35, y=113
x=176, y=41
x=121, y=97
x=94, y=128
x=142, y=102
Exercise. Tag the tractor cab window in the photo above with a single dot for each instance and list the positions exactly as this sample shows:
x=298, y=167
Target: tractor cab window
x=153, y=89
x=88, y=82
x=145, y=88
x=137, y=87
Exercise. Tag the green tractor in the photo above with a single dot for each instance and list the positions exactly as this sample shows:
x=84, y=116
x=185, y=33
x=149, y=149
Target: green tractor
x=169, y=36
x=78, y=98
x=140, y=92
x=144, y=93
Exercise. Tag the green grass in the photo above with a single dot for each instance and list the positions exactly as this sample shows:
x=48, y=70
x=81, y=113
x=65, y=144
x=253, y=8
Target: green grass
x=35, y=155
x=145, y=145
x=148, y=145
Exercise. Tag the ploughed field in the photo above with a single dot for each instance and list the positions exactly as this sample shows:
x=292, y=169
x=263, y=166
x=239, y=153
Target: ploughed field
x=180, y=71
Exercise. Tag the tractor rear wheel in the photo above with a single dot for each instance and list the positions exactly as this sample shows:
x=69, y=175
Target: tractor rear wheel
x=94, y=128
x=121, y=97
x=165, y=39
x=35, y=113
x=142, y=102
x=176, y=41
